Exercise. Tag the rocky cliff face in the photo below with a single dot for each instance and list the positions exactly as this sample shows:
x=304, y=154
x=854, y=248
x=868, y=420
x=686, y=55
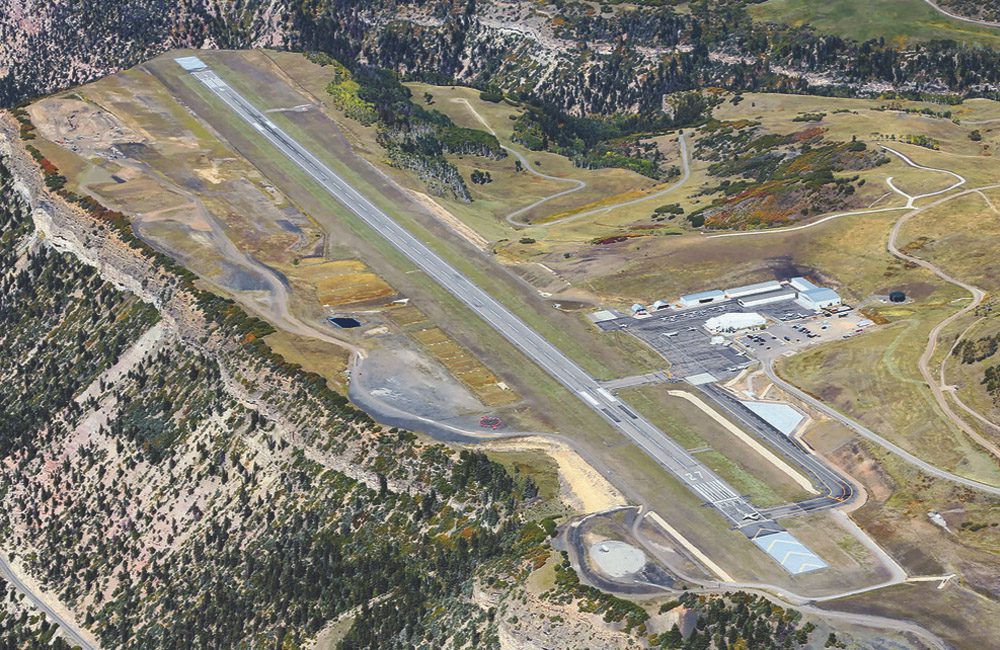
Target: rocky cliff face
x=176, y=485
x=566, y=55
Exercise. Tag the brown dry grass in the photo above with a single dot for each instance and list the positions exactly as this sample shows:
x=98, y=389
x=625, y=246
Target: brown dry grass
x=460, y=362
x=343, y=283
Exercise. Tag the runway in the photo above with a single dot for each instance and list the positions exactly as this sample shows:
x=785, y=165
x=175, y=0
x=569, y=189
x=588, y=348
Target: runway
x=835, y=489
x=692, y=473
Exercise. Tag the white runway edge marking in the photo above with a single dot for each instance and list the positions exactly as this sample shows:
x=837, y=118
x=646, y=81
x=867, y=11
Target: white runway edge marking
x=607, y=395
x=691, y=548
x=665, y=451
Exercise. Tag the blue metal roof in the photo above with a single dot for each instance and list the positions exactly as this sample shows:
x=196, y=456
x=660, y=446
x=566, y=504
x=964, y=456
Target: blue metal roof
x=790, y=553
x=819, y=294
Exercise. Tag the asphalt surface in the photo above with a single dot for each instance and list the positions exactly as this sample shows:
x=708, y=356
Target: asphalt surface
x=835, y=490
x=692, y=473
x=865, y=432
x=67, y=628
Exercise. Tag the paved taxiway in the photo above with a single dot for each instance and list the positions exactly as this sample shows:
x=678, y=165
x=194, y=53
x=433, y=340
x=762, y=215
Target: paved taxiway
x=696, y=476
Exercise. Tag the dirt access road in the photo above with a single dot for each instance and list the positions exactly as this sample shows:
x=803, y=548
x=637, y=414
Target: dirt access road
x=936, y=385
x=512, y=218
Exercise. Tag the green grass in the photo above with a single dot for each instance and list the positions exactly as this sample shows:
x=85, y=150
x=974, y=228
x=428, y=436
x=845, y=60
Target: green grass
x=581, y=342
x=540, y=468
x=742, y=467
x=875, y=378
x=743, y=481
x=902, y=21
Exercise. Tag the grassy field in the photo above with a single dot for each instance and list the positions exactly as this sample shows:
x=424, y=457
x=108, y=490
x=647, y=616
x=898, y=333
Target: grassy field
x=737, y=463
x=889, y=394
x=325, y=359
x=571, y=333
x=850, y=252
x=900, y=21
x=962, y=237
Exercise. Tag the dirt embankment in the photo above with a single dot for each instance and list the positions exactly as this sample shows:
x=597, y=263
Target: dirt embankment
x=68, y=228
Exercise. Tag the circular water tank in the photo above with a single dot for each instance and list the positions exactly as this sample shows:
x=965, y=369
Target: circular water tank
x=897, y=296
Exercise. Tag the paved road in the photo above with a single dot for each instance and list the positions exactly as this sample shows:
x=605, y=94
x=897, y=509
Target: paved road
x=965, y=19
x=528, y=167
x=696, y=476
x=578, y=184
x=835, y=489
x=865, y=432
x=68, y=628
x=646, y=583
x=685, y=175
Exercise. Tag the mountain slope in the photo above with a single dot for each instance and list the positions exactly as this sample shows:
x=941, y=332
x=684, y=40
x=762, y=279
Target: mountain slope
x=566, y=55
x=177, y=486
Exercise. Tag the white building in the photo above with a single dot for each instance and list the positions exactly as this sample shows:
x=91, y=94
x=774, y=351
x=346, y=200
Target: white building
x=778, y=295
x=819, y=298
x=799, y=283
x=703, y=298
x=734, y=322
x=753, y=289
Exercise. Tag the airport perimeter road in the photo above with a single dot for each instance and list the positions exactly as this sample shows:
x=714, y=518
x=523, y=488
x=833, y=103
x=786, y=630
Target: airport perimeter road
x=835, y=489
x=867, y=433
x=67, y=628
x=701, y=480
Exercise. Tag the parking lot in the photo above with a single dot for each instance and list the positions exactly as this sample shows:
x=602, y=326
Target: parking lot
x=785, y=337
x=680, y=336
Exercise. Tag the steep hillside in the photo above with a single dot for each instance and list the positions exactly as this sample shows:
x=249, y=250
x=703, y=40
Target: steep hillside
x=22, y=626
x=177, y=486
x=568, y=55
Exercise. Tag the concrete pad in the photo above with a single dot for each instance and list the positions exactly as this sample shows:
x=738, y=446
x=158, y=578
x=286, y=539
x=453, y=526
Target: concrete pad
x=790, y=553
x=190, y=63
x=617, y=559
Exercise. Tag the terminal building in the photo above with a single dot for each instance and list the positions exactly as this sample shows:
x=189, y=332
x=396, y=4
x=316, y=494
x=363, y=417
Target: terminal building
x=735, y=322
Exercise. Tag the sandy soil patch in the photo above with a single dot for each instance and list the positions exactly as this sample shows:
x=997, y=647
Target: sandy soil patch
x=581, y=487
x=451, y=220
x=79, y=125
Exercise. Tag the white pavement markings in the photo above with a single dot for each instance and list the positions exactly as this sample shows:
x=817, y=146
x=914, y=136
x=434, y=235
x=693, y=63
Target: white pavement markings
x=768, y=455
x=647, y=437
x=691, y=548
